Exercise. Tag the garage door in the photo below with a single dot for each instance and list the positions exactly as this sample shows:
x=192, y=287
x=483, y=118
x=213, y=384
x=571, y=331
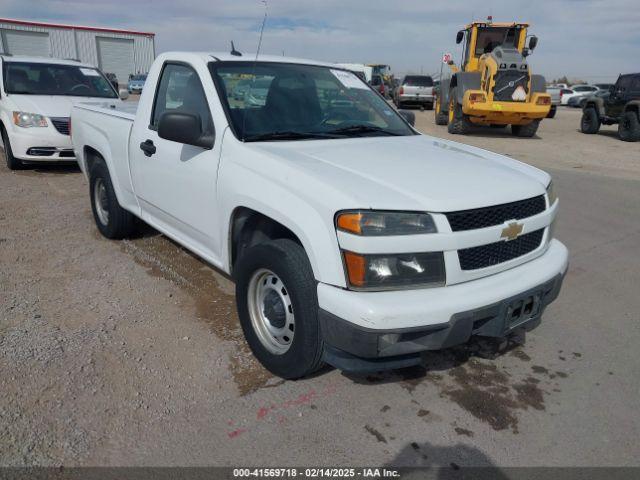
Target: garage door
x=35, y=44
x=115, y=55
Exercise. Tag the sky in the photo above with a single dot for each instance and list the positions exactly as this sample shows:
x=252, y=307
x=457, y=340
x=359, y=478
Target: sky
x=594, y=40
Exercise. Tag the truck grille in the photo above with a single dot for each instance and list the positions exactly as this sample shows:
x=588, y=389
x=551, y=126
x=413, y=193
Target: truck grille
x=506, y=81
x=496, y=215
x=61, y=124
x=499, y=252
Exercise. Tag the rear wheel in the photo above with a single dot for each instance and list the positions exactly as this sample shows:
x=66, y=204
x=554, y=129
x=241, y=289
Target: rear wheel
x=552, y=111
x=459, y=123
x=112, y=220
x=441, y=118
x=590, y=123
x=13, y=163
x=629, y=127
x=429, y=106
x=276, y=297
x=526, y=131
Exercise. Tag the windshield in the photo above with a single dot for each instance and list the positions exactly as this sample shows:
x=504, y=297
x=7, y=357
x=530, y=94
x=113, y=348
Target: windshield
x=52, y=79
x=295, y=102
x=490, y=38
x=418, y=81
x=138, y=78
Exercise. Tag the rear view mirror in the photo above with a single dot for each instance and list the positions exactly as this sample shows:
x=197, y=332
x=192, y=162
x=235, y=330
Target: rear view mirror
x=533, y=41
x=184, y=128
x=409, y=116
x=459, y=36
x=123, y=94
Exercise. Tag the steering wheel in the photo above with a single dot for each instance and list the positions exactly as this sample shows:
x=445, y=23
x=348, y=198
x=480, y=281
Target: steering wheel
x=80, y=86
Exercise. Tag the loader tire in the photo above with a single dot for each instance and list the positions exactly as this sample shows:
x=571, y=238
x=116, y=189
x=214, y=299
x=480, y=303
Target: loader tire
x=590, y=122
x=441, y=118
x=629, y=127
x=458, y=122
x=525, y=131
x=552, y=111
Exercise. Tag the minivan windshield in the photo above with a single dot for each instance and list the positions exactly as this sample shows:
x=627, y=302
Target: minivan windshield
x=55, y=79
x=267, y=101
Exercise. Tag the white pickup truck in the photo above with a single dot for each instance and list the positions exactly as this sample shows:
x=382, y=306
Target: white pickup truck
x=352, y=238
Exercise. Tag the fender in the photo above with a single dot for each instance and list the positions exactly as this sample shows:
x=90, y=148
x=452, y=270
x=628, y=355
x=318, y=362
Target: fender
x=464, y=81
x=538, y=84
x=633, y=106
x=597, y=103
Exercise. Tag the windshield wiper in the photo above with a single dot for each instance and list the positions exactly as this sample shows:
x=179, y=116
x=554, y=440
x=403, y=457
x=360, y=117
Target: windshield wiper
x=287, y=135
x=356, y=129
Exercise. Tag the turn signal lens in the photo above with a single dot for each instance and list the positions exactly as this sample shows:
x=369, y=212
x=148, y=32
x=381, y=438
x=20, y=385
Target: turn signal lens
x=477, y=97
x=545, y=100
x=350, y=222
x=355, y=268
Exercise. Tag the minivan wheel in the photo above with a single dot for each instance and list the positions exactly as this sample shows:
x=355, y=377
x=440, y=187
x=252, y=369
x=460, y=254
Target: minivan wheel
x=277, y=302
x=112, y=220
x=13, y=163
x=629, y=127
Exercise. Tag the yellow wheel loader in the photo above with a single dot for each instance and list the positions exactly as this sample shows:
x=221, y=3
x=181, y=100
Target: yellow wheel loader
x=494, y=85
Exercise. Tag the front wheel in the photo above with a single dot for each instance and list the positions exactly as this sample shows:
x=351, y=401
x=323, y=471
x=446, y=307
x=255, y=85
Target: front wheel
x=13, y=163
x=440, y=117
x=112, y=220
x=276, y=297
x=590, y=123
x=459, y=123
x=629, y=127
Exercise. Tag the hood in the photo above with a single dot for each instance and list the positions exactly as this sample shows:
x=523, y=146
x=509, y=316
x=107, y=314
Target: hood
x=52, y=105
x=408, y=173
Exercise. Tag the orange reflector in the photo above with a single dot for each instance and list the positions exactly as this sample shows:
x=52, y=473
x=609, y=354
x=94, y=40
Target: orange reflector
x=350, y=222
x=543, y=101
x=355, y=268
x=476, y=97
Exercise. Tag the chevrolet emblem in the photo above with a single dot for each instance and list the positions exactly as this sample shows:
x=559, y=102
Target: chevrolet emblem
x=511, y=231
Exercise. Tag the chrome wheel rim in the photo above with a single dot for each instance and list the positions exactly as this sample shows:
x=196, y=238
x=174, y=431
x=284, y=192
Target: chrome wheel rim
x=271, y=311
x=101, y=201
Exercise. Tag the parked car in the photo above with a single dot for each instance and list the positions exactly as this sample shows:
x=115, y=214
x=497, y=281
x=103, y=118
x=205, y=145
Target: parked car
x=36, y=95
x=604, y=86
x=113, y=79
x=580, y=101
x=621, y=106
x=352, y=238
x=577, y=91
x=556, y=95
x=136, y=83
x=415, y=90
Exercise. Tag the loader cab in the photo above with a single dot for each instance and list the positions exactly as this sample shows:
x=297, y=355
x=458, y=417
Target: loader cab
x=479, y=38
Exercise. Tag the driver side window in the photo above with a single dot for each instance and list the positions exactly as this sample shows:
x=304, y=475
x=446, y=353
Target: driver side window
x=180, y=90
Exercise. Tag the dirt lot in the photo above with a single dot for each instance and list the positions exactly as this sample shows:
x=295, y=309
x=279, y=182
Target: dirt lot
x=129, y=353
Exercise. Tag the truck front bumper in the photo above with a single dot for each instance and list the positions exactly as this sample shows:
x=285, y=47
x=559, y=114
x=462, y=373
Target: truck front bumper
x=377, y=330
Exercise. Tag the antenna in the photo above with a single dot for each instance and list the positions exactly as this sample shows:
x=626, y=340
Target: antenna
x=253, y=70
x=234, y=52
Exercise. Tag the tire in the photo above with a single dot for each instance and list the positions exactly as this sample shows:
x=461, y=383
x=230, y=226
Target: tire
x=629, y=127
x=552, y=111
x=441, y=118
x=13, y=163
x=590, y=123
x=118, y=222
x=458, y=122
x=525, y=131
x=495, y=125
x=429, y=106
x=287, y=357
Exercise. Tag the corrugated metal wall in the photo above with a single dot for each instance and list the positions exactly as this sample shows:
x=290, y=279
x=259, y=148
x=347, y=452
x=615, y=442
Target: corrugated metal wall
x=81, y=44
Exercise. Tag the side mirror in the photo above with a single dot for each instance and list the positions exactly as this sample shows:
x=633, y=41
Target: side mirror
x=184, y=128
x=123, y=94
x=459, y=36
x=409, y=116
x=533, y=41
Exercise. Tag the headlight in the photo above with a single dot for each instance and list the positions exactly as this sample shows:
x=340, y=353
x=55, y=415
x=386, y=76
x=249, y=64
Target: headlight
x=551, y=193
x=371, y=223
x=380, y=272
x=26, y=120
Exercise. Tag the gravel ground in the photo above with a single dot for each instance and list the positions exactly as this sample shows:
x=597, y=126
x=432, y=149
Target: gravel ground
x=129, y=353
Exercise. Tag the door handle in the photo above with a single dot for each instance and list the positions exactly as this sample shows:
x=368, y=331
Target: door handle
x=148, y=148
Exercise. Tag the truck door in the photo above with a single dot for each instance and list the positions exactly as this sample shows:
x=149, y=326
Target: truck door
x=176, y=183
x=619, y=96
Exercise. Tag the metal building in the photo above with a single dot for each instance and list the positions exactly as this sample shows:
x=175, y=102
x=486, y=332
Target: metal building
x=122, y=52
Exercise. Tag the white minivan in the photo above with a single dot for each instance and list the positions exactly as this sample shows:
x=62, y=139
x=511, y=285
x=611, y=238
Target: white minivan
x=36, y=96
